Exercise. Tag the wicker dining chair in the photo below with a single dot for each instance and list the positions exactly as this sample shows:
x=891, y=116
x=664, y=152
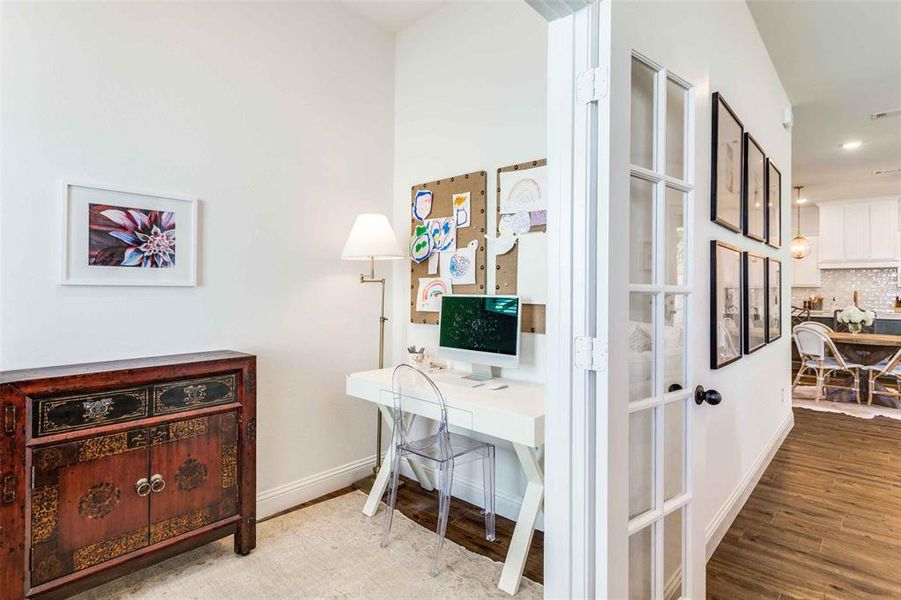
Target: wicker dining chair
x=820, y=356
x=888, y=373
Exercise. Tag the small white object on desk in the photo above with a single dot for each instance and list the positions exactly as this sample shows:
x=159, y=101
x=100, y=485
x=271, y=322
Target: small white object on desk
x=496, y=386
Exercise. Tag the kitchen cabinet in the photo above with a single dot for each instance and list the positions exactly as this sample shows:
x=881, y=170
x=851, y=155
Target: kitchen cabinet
x=862, y=234
x=806, y=271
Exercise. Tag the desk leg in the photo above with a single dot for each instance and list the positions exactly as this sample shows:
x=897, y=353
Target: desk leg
x=381, y=479
x=525, y=524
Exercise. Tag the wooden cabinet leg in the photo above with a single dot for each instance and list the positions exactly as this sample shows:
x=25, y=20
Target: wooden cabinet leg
x=246, y=536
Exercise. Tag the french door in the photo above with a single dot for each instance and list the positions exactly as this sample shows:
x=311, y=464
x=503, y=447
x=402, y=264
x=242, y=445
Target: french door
x=658, y=394
x=624, y=433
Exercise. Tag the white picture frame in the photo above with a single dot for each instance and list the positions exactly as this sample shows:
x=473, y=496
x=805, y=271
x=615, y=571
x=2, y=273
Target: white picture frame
x=78, y=249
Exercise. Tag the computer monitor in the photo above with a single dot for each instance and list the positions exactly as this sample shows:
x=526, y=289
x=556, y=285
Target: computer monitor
x=482, y=330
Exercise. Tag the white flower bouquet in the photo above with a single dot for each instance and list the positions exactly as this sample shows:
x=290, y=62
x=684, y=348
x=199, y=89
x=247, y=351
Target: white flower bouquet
x=855, y=318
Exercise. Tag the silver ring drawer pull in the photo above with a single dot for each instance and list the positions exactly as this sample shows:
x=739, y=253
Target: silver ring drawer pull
x=157, y=483
x=143, y=487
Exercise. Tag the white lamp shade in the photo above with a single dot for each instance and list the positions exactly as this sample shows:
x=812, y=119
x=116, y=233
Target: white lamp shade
x=371, y=237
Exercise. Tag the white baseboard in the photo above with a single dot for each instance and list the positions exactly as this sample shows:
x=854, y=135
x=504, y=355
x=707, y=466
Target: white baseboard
x=303, y=490
x=720, y=524
x=291, y=494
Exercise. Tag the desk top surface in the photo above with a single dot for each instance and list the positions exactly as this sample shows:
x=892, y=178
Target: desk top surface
x=522, y=398
x=866, y=339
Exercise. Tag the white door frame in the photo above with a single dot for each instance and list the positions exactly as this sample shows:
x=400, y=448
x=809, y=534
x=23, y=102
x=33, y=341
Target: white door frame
x=578, y=126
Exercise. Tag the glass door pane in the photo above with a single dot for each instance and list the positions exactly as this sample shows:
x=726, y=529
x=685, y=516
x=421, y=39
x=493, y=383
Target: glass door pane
x=660, y=216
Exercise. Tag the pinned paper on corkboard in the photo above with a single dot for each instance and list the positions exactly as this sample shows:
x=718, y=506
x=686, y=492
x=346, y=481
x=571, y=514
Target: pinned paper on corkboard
x=442, y=206
x=519, y=220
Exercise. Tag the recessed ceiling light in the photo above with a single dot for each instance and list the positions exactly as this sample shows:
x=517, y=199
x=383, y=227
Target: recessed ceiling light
x=853, y=145
x=802, y=200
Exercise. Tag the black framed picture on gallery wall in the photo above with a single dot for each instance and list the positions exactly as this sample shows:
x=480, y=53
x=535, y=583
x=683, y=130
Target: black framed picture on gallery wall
x=726, y=172
x=726, y=285
x=774, y=205
x=754, y=190
x=773, y=300
x=755, y=302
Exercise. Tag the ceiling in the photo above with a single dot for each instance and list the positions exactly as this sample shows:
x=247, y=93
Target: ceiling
x=839, y=62
x=394, y=15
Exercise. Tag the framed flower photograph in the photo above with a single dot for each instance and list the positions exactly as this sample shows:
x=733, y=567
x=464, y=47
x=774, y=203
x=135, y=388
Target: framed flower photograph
x=726, y=176
x=116, y=237
x=755, y=296
x=754, y=197
x=726, y=302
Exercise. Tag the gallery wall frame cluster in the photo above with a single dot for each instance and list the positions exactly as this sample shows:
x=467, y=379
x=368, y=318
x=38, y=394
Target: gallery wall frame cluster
x=745, y=198
x=745, y=184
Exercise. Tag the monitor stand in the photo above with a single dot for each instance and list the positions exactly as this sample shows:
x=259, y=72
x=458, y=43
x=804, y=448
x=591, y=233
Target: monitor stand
x=481, y=373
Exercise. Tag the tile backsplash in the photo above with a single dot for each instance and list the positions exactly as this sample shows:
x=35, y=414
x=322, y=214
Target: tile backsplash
x=877, y=288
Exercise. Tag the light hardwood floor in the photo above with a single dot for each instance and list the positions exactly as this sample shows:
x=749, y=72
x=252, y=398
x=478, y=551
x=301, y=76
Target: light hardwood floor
x=825, y=519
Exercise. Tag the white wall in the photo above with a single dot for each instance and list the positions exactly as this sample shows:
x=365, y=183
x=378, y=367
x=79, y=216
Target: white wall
x=279, y=118
x=470, y=95
x=716, y=47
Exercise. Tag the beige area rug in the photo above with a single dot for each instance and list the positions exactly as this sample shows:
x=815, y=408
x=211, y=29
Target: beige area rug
x=803, y=396
x=328, y=550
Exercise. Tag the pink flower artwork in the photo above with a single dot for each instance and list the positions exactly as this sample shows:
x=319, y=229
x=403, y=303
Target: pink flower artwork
x=130, y=237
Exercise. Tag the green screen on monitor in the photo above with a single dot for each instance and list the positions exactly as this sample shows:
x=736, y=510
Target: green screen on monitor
x=480, y=323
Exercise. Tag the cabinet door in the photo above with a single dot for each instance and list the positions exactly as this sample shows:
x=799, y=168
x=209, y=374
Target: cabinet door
x=197, y=461
x=85, y=507
x=883, y=231
x=832, y=229
x=857, y=232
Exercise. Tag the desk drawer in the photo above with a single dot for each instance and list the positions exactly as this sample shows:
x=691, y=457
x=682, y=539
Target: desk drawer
x=431, y=410
x=195, y=393
x=71, y=413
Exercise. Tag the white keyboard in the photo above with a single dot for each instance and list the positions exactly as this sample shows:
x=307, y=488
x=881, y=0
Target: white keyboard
x=457, y=379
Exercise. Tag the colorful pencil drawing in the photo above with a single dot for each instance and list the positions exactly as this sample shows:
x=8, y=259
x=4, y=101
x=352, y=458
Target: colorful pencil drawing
x=443, y=231
x=523, y=191
x=461, y=206
x=515, y=224
x=420, y=244
x=422, y=204
x=459, y=266
x=431, y=289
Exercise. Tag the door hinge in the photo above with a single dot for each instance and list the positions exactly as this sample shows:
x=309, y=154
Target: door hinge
x=590, y=354
x=591, y=85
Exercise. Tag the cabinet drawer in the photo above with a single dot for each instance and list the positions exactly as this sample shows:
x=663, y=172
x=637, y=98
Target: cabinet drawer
x=71, y=413
x=187, y=395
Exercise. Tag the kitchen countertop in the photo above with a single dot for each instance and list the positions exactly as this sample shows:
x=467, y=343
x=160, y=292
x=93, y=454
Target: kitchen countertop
x=880, y=314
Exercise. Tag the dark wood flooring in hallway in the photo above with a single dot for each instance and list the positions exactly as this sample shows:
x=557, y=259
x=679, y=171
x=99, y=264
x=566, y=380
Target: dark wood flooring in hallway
x=825, y=519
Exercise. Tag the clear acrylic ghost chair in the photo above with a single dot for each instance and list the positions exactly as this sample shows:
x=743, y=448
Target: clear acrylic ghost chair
x=443, y=448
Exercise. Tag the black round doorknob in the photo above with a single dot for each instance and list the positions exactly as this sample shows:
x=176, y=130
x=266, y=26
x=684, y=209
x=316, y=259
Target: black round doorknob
x=711, y=397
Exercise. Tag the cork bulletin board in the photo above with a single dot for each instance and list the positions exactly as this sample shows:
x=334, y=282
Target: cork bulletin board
x=533, y=315
x=442, y=194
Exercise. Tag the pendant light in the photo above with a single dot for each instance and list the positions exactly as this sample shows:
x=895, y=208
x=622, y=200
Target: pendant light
x=799, y=244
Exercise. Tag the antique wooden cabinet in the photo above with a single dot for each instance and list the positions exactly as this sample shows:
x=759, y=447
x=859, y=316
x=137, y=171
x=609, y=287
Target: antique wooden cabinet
x=108, y=467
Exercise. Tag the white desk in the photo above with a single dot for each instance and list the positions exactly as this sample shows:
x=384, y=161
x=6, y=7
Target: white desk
x=515, y=413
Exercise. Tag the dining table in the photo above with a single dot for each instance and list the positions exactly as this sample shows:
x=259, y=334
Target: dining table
x=866, y=349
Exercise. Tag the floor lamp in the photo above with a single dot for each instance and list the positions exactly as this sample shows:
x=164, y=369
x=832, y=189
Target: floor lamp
x=371, y=238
